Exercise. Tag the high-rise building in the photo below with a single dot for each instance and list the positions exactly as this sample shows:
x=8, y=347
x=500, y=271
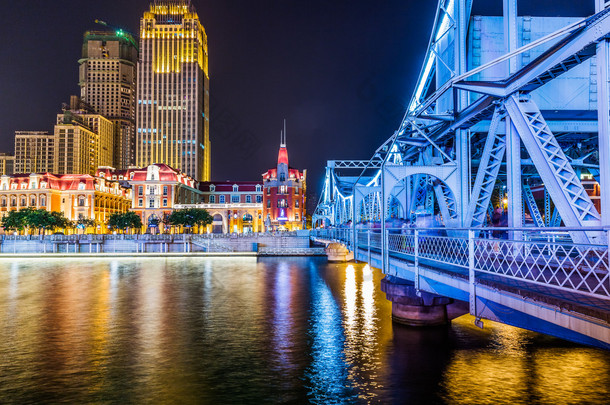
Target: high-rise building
x=83, y=140
x=34, y=152
x=173, y=90
x=107, y=78
x=7, y=164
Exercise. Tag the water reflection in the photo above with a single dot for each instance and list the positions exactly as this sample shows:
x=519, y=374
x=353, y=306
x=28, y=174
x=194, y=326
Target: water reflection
x=241, y=331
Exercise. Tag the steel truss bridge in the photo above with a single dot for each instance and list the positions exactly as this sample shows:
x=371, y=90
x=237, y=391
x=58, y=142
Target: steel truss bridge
x=510, y=111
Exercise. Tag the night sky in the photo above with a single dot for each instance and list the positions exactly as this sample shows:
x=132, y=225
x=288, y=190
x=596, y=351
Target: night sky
x=341, y=72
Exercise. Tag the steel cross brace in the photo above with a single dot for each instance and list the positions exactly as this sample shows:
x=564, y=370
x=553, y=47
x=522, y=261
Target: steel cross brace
x=565, y=188
x=491, y=160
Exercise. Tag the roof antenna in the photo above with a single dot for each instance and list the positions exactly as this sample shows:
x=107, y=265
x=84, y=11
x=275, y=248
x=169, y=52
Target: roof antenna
x=284, y=132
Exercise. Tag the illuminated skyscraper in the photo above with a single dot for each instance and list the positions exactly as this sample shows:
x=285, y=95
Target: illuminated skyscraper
x=173, y=90
x=108, y=83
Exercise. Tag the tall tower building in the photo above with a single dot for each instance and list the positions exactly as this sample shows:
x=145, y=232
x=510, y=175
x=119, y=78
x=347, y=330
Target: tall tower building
x=34, y=152
x=83, y=140
x=173, y=90
x=107, y=78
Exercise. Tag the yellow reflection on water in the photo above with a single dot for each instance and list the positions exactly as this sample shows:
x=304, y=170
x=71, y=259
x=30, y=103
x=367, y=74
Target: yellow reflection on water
x=368, y=300
x=512, y=368
x=350, y=292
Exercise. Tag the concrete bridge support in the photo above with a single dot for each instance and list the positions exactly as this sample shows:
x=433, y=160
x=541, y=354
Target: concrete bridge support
x=425, y=309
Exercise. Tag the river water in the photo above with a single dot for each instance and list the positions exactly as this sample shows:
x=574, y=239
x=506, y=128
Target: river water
x=227, y=330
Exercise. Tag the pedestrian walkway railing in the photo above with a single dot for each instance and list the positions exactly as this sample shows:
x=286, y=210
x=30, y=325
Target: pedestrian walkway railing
x=536, y=256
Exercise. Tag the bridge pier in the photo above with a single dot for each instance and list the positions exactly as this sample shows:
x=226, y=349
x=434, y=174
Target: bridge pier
x=425, y=309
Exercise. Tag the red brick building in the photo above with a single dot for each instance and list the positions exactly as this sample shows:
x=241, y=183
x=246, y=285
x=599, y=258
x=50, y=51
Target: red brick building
x=284, y=194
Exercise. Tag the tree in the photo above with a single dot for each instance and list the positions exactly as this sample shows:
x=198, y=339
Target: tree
x=32, y=218
x=124, y=221
x=14, y=221
x=189, y=217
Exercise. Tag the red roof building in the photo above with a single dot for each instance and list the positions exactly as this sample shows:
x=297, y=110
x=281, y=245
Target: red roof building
x=156, y=188
x=284, y=194
x=77, y=196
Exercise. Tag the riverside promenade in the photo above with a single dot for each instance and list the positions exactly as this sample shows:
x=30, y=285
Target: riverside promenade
x=255, y=244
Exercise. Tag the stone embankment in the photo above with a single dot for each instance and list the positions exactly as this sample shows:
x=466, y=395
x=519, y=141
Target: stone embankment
x=263, y=244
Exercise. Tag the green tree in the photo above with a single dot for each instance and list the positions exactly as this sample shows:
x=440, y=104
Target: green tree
x=124, y=221
x=189, y=217
x=31, y=218
x=14, y=221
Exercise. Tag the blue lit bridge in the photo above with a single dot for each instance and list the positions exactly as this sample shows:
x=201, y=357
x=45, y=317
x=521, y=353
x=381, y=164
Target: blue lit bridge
x=509, y=112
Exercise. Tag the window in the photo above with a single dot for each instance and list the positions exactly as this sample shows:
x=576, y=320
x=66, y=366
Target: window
x=43, y=201
x=268, y=190
x=282, y=177
x=268, y=203
x=258, y=188
x=165, y=202
x=140, y=202
x=151, y=204
x=296, y=216
x=164, y=190
x=140, y=190
x=212, y=188
x=296, y=191
x=259, y=199
x=234, y=198
x=4, y=201
x=281, y=203
x=23, y=203
x=81, y=201
x=235, y=188
x=221, y=199
x=296, y=204
x=283, y=189
x=212, y=199
x=248, y=198
x=33, y=202
x=81, y=186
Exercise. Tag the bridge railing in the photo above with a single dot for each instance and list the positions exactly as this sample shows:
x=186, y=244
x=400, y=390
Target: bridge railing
x=545, y=257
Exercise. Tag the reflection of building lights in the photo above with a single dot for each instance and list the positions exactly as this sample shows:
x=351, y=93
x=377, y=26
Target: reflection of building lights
x=505, y=201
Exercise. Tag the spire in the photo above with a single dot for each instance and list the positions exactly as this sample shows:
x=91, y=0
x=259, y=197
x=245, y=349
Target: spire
x=282, y=156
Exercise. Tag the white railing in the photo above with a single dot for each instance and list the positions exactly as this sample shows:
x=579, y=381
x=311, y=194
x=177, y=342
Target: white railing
x=544, y=257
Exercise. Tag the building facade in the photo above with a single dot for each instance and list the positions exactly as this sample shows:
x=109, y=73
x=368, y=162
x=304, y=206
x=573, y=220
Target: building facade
x=107, y=79
x=7, y=164
x=236, y=207
x=284, y=194
x=34, y=152
x=156, y=190
x=75, y=195
x=83, y=140
x=173, y=90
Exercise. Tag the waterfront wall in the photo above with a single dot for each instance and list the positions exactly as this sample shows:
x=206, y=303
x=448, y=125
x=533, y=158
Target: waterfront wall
x=10, y=244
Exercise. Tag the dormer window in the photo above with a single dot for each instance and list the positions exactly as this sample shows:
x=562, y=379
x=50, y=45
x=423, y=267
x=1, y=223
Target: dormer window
x=235, y=188
x=33, y=184
x=212, y=188
x=258, y=188
x=81, y=186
